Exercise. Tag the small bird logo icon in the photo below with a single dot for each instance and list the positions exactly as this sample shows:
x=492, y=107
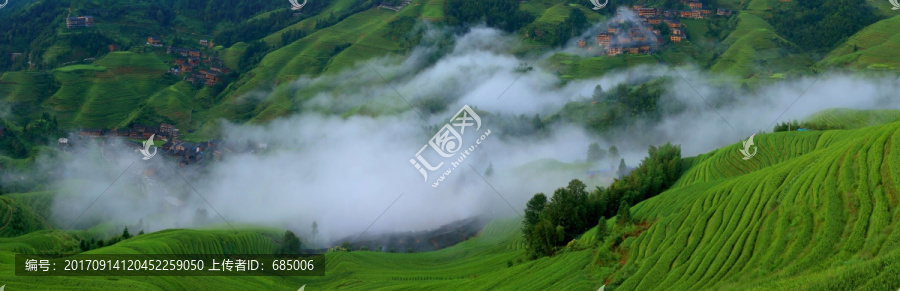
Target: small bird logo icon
x=747, y=144
x=896, y=5
x=146, y=150
x=297, y=6
x=598, y=6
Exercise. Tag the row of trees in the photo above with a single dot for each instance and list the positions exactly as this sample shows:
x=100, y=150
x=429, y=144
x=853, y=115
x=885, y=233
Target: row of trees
x=796, y=125
x=502, y=14
x=18, y=141
x=550, y=223
x=595, y=153
x=95, y=244
x=818, y=25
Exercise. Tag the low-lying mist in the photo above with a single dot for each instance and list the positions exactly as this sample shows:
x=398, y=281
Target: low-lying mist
x=346, y=172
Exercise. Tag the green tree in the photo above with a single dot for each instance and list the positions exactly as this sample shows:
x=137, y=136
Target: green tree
x=545, y=239
x=533, y=210
x=125, y=234
x=595, y=153
x=613, y=152
x=601, y=230
x=569, y=208
x=290, y=244
x=624, y=214
x=598, y=91
x=622, y=168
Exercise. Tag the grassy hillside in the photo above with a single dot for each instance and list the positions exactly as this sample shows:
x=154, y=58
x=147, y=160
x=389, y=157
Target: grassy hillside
x=17, y=218
x=755, y=47
x=813, y=210
x=876, y=46
x=107, y=93
x=477, y=263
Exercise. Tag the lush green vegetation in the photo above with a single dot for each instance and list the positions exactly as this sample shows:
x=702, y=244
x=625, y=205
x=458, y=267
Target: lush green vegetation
x=818, y=25
x=872, y=47
x=770, y=222
x=503, y=14
x=549, y=225
x=813, y=210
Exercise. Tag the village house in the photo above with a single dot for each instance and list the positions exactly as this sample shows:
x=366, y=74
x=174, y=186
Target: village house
x=694, y=4
x=226, y=70
x=90, y=132
x=80, y=21
x=209, y=78
x=166, y=128
x=185, y=68
x=154, y=41
x=194, y=53
x=676, y=38
x=723, y=12
x=614, y=51
x=646, y=12
x=204, y=42
x=695, y=14
x=673, y=24
x=603, y=39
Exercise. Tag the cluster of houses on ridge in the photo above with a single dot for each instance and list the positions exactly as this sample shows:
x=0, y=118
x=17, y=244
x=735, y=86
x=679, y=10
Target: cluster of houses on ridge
x=184, y=152
x=647, y=40
x=194, y=65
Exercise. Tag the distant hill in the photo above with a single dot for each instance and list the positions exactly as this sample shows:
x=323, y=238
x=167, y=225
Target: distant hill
x=874, y=47
x=77, y=78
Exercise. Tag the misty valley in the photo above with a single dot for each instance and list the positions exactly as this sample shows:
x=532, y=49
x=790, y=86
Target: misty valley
x=449, y=144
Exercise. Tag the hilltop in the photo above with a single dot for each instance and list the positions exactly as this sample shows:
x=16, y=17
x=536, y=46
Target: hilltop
x=76, y=73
